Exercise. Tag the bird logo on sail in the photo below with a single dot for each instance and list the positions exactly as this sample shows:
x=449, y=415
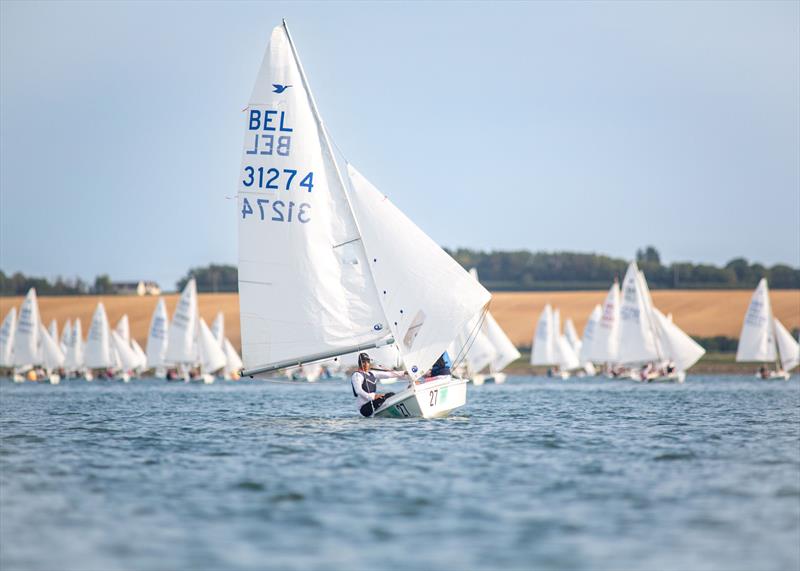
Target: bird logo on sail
x=279, y=88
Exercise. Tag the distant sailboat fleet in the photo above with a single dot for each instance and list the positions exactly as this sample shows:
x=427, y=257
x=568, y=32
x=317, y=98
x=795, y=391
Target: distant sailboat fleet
x=185, y=349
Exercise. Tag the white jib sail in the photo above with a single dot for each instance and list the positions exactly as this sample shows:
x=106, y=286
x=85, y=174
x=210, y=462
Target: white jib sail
x=53, y=329
x=218, y=329
x=123, y=328
x=637, y=342
x=505, y=351
x=233, y=363
x=542, y=348
x=305, y=288
x=26, y=337
x=480, y=351
x=157, y=336
x=757, y=340
x=676, y=345
x=51, y=355
x=7, y=331
x=140, y=355
x=590, y=331
x=74, y=353
x=566, y=359
x=182, y=344
x=128, y=360
x=98, y=354
x=788, y=347
x=426, y=296
x=212, y=357
x=66, y=333
x=572, y=336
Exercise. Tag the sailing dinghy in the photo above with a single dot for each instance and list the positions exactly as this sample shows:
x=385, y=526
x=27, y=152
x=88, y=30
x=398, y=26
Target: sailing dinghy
x=7, y=331
x=764, y=339
x=327, y=264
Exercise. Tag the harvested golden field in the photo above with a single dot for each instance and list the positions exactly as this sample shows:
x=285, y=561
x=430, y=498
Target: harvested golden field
x=703, y=313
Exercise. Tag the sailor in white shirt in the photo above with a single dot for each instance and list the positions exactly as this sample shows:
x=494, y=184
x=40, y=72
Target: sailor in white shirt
x=364, y=383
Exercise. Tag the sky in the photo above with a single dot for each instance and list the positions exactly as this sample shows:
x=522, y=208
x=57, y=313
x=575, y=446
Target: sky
x=590, y=127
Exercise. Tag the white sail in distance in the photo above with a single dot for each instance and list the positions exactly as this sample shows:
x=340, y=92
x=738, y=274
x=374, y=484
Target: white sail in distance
x=233, y=363
x=543, y=346
x=123, y=328
x=605, y=346
x=141, y=357
x=51, y=356
x=128, y=360
x=26, y=337
x=637, y=343
x=7, y=331
x=211, y=356
x=308, y=271
x=66, y=334
x=788, y=347
x=74, y=354
x=505, y=351
x=157, y=336
x=98, y=353
x=757, y=339
x=218, y=329
x=587, y=353
x=53, y=329
x=182, y=344
x=676, y=345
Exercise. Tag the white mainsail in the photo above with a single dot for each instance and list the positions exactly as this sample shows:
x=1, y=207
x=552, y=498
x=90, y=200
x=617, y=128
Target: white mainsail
x=211, y=356
x=53, y=329
x=182, y=344
x=123, y=328
x=51, y=356
x=218, y=329
x=7, y=331
x=74, y=353
x=757, y=339
x=157, y=336
x=590, y=332
x=128, y=360
x=637, y=342
x=233, y=363
x=572, y=336
x=66, y=334
x=676, y=345
x=97, y=353
x=328, y=265
x=788, y=347
x=542, y=348
x=26, y=337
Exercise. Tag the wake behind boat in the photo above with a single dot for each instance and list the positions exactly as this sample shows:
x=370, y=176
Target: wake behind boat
x=327, y=264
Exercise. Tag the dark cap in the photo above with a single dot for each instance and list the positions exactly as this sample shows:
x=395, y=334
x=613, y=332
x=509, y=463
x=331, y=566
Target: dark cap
x=363, y=357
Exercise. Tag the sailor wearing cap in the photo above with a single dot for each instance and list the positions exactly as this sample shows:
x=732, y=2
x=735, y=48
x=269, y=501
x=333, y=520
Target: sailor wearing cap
x=364, y=383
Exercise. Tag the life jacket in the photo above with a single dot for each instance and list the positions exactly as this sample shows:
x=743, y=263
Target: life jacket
x=370, y=384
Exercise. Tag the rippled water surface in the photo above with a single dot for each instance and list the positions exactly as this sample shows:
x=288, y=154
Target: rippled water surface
x=532, y=474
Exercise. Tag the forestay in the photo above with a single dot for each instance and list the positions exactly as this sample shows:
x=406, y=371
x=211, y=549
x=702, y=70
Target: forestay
x=97, y=354
x=757, y=340
x=26, y=337
x=7, y=331
x=157, y=336
x=182, y=344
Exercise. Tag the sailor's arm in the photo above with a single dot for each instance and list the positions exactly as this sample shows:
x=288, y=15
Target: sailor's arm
x=380, y=374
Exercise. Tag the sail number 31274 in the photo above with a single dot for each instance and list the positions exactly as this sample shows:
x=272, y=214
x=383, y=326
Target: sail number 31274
x=277, y=210
x=274, y=179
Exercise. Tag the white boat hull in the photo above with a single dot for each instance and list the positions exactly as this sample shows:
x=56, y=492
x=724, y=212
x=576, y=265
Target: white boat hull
x=496, y=378
x=436, y=398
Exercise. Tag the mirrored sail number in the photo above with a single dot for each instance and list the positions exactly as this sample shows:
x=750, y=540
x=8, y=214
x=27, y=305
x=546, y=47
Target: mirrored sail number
x=274, y=179
x=277, y=210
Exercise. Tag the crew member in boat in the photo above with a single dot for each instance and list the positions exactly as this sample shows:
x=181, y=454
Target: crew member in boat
x=364, y=383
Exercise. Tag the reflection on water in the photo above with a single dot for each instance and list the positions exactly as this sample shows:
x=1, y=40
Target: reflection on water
x=534, y=473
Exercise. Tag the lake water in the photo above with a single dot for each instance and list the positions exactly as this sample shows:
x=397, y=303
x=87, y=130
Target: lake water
x=532, y=474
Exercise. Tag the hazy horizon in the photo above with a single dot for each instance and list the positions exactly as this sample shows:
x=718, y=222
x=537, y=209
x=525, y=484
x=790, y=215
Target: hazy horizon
x=545, y=126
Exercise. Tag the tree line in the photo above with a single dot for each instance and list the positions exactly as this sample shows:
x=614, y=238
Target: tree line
x=519, y=270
